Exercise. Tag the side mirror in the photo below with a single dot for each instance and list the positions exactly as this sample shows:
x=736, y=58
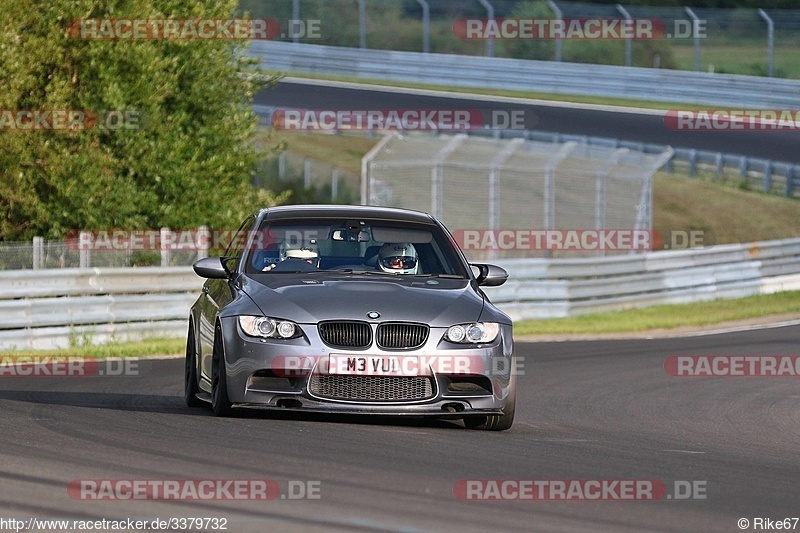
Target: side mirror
x=490, y=275
x=211, y=268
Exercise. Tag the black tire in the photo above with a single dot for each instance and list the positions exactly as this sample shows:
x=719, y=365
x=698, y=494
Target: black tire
x=190, y=386
x=220, y=403
x=495, y=422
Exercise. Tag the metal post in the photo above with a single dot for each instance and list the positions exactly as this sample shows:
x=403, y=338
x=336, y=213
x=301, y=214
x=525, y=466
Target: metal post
x=296, y=16
x=38, y=252
x=768, y=177
x=307, y=173
x=696, y=32
x=426, y=26
x=282, y=165
x=550, y=184
x=600, y=188
x=494, y=181
x=366, y=166
x=437, y=177
x=644, y=217
x=84, y=246
x=165, y=240
x=362, y=23
x=790, y=172
x=334, y=184
x=559, y=15
x=203, y=242
x=628, y=42
x=770, y=40
x=490, y=14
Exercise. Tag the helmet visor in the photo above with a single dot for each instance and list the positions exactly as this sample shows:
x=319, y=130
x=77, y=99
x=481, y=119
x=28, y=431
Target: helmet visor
x=399, y=262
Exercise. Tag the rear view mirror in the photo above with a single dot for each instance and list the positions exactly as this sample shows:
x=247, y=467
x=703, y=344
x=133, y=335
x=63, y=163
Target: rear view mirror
x=344, y=235
x=211, y=268
x=490, y=275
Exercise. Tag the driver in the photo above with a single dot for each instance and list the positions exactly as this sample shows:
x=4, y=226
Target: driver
x=400, y=258
x=297, y=257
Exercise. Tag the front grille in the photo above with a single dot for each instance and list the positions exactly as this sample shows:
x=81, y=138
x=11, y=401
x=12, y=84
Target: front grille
x=371, y=388
x=346, y=334
x=397, y=336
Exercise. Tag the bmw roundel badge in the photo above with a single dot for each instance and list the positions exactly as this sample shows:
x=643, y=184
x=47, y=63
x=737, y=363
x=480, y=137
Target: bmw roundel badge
x=373, y=315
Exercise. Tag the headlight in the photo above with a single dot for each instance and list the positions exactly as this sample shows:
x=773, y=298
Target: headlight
x=272, y=328
x=477, y=333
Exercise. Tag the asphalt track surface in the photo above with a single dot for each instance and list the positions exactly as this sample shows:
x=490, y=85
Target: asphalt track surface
x=632, y=125
x=586, y=410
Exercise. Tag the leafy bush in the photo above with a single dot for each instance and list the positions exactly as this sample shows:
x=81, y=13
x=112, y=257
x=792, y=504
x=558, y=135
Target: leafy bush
x=187, y=162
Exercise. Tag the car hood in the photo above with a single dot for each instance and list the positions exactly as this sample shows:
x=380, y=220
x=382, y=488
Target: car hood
x=437, y=302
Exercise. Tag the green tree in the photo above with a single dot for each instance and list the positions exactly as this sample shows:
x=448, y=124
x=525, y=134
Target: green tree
x=189, y=159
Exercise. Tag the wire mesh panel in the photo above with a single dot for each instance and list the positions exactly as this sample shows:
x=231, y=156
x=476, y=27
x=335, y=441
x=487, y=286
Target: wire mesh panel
x=517, y=198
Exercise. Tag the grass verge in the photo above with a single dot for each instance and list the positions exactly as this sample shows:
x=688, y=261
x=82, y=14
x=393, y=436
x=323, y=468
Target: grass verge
x=144, y=348
x=667, y=317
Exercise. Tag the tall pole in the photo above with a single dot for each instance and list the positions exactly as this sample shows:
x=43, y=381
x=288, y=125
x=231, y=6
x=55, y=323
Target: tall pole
x=490, y=14
x=770, y=40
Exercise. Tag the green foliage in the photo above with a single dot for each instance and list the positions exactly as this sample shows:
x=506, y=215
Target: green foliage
x=188, y=162
x=599, y=52
x=526, y=48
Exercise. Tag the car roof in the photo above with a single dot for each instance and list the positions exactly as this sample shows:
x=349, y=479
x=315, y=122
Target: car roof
x=355, y=211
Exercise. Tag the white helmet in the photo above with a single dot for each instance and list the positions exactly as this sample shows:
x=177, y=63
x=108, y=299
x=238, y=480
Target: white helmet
x=308, y=252
x=398, y=258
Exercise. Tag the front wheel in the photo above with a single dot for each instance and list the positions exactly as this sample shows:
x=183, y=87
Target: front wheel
x=220, y=403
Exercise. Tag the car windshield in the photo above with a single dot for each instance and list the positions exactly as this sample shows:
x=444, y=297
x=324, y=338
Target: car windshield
x=353, y=246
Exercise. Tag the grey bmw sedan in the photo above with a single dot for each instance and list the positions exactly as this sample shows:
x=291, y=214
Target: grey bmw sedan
x=344, y=309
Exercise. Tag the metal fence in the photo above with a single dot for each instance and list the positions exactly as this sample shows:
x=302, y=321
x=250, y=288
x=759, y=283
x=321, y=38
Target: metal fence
x=112, y=249
x=477, y=183
x=743, y=41
x=753, y=173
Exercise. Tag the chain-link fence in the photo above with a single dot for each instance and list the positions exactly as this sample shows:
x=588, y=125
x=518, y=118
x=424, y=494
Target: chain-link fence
x=737, y=41
x=112, y=249
x=309, y=180
x=495, y=189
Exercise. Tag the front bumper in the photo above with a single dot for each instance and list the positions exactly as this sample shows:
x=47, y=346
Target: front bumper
x=264, y=374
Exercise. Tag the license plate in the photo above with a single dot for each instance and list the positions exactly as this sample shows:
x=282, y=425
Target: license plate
x=371, y=365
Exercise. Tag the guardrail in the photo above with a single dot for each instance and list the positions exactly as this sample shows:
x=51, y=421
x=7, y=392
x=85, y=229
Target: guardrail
x=549, y=288
x=525, y=75
x=48, y=309
x=58, y=308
